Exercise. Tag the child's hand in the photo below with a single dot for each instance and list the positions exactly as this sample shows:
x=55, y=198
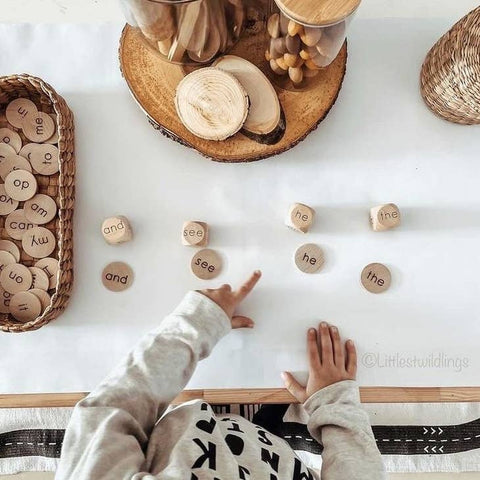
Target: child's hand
x=229, y=300
x=328, y=362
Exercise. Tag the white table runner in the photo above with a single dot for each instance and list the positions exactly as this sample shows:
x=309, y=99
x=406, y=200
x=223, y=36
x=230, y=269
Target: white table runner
x=379, y=144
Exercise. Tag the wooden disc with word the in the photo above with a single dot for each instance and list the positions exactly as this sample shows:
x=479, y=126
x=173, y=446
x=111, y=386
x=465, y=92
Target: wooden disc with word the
x=309, y=258
x=206, y=264
x=11, y=138
x=40, y=209
x=16, y=224
x=18, y=110
x=15, y=278
x=7, y=204
x=153, y=83
x=38, y=242
x=25, y=306
x=10, y=247
x=20, y=185
x=39, y=278
x=117, y=276
x=42, y=295
x=50, y=266
x=376, y=277
x=38, y=127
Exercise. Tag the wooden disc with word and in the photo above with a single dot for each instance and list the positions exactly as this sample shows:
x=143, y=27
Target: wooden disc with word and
x=309, y=258
x=153, y=82
x=376, y=278
x=206, y=264
x=117, y=276
x=25, y=306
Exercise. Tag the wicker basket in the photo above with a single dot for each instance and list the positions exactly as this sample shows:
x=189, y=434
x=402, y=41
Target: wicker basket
x=60, y=186
x=450, y=77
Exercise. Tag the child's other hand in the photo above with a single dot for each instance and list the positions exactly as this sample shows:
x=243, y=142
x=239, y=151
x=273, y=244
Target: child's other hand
x=229, y=299
x=328, y=362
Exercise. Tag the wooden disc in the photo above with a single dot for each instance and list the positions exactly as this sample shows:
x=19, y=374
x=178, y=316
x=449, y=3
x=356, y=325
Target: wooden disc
x=4, y=301
x=50, y=267
x=15, y=278
x=376, y=278
x=18, y=110
x=56, y=136
x=14, y=162
x=153, y=83
x=7, y=204
x=38, y=127
x=194, y=233
x=6, y=258
x=309, y=258
x=6, y=150
x=25, y=306
x=39, y=278
x=20, y=185
x=38, y=242
x=44, y=158
x=43, y=296
x=117, y=276
x=10, y=247
x=206, y=264
x=11, y=138
x=40, y=209
x=16, y=224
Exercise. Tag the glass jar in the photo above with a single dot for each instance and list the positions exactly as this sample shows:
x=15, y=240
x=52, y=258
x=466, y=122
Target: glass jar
x=187, y=31
x=301, y=43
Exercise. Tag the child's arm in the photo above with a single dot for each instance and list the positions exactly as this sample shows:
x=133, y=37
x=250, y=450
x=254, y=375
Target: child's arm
x=337, y=420
x=109, y=430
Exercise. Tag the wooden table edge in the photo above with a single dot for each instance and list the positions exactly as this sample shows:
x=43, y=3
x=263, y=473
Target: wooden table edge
x=262, y=395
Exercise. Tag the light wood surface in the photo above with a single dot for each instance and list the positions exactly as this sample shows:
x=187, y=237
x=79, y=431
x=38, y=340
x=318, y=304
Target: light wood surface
x=153, y=83
x=263, y=395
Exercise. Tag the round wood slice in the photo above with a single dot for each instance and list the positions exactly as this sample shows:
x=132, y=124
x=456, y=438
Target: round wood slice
x=153, y=81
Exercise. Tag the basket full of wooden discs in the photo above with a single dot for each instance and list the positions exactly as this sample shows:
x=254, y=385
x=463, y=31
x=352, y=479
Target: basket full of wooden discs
x=37, y=168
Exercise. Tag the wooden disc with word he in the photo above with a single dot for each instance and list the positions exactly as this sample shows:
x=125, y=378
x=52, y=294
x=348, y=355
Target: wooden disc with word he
x=117, y=276
x=206, y=264
x=376, y=278
x=309, y=258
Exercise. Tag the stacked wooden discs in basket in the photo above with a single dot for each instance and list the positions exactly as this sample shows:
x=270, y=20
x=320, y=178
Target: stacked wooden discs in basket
x=29, y=158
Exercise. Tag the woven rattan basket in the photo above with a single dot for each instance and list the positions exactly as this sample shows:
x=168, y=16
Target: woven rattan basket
x=450, y=77
x=60, y=186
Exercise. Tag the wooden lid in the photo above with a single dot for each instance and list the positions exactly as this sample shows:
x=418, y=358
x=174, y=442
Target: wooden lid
x=318, y=12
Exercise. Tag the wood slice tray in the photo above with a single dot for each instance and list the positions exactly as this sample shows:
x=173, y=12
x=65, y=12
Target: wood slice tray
x=152, y=82
x=60, y=186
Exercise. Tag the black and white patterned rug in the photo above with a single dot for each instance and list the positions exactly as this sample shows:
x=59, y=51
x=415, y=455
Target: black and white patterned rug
x=411, y=437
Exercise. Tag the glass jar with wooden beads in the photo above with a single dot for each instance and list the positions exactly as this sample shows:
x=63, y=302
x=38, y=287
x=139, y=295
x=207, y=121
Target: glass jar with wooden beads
x=187, y=31
x=305, y=37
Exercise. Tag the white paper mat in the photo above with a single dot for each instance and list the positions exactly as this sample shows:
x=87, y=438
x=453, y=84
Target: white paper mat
x=378, y=144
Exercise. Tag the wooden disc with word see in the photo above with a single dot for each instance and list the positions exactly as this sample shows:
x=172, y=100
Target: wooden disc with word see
x=38, y=242
x=195, y=233
x=376, y=278
x=25, y=306
x=10, y=247
x=21, y=185
x=16, y=224
x=6, y=259
x=15, y=278
x=38, y=127
x=117, y=276
x=44, y=158
x=39, y=278
x=11, y=138
x=7, y=204
x=43, y=296
x=50, y=267
x=309, y=258
x=40, y=209
x=206, y=264
x=18, y=110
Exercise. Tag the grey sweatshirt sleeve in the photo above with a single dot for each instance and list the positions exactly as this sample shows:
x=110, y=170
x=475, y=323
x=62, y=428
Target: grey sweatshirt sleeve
x=109, y=429
x=339, y=423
